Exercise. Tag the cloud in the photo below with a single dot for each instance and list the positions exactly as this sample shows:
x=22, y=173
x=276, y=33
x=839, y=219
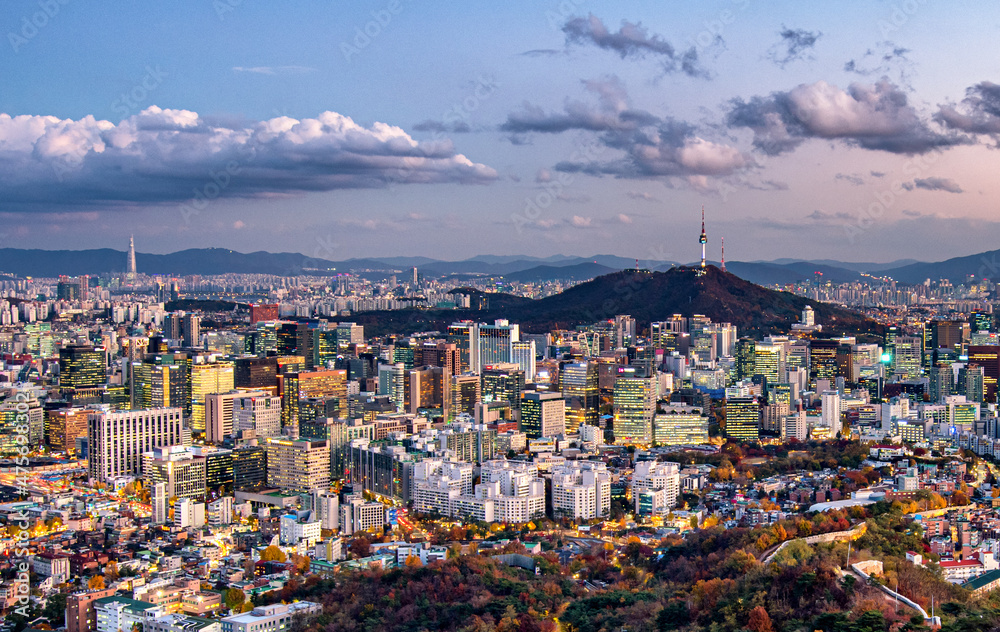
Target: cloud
x=543, y=175
x=823, y=216
x=274, y=70
x=624, y=219
x=574, y=199
x=886, y=59
x=440, y=127
x=910, y=213
x=871, y=116
x=238, y=224
x=853, y=179
x=877, y=174
x=938, y=184
x=632, y=40
x=612, y=113
x=641, y=195
x=161, y=155
x=978, y=113
x=543, y=52
x=795, y=44
x=581, y=222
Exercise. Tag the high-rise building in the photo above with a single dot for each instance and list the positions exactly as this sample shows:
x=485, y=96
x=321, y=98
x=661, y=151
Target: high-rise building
x=492, y=344
x=769, y=361
x=987, y=357
x=257, y=373
x=259, y=413
x=178, y=468
x=650, y=477
x=830, y=402
x=65, y=426
x=542, y=414
x=971, y=383
x=392, y=382
x=581, y=390
x=746, y=359
x=116, y=440
x=742, y=418
x=907, y=357
x=207, y=379
x=160, y=498
x=249, y=467
x=301, y=466
x=130, y=268
x=942, y=382
x=466, y=394
x=634, y=404
x=82, y=367
x=503, y=382
x=264, y=312
x=680, y=428
x=191, y=330
x=822, y=361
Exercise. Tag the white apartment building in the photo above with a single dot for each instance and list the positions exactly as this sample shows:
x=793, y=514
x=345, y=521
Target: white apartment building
x=581, y=490
x=656, y=476
x=294, y=529
x=358, y=515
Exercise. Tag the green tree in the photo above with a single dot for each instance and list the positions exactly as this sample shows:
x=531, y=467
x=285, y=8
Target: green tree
x=234, y=599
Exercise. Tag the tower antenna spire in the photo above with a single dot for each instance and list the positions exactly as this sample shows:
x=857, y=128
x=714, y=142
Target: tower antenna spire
x=703, y=238
x=723, y=254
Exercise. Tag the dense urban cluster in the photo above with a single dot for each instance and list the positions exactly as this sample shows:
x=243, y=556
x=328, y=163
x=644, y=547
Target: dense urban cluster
x=272, y=467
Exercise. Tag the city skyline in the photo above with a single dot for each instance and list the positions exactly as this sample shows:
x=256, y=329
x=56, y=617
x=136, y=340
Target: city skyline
x=859, y=135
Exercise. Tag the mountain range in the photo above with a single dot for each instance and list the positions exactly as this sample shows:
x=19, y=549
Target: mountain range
x=209, y=261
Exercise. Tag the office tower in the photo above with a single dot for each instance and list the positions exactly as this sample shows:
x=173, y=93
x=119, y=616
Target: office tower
x=191, y=330
x=523, y=354
x=830, y=401
x=823, y=361
x=82, y=367
x=392, y=382
x=907, y=357
x=742, y=418
x=949, y=334
x=624, y=331
x=542, y=414
x=987, y=357
x=429, y=388
x=466, y=393
x=746, y=359
x=218, y=468
x=178, y=468
x=65, y=426
x=795, y=426
x=460, y=335
x=301, y=466
x=634, y=400
x=327, y=506
x=798, y=356
x=16, y=421
x=769, y=361
x=249, y=467
x=207, y=379
x=259, y=413
x=680, y=428
x=219, y=413
x=350, y=334
x=295, y=386
x=493, y=344
x=942, y=382
x=502, y=383
x=161, y=381
x=971, y=383
x=440, y=354
x=257, y=373
x=325, y=346
x=159, y=498
x=295, y=339
x=402, y=353
x=980, y=321
x=580, y=389
x=116, y=440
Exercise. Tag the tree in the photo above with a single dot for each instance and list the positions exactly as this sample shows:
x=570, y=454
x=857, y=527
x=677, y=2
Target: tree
x=96, y=582
x=273, y=554
x=959, y=499
x=55, y=609
x=234, y=599
x=759, y=620
x=301, y=563
x=412, y=561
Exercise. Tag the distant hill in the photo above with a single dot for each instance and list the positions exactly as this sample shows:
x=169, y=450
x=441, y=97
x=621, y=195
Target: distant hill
x=647, y=296
x=985, y=265
x=579, y=271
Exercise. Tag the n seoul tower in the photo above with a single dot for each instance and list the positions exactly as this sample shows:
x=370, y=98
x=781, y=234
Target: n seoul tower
x=703, y=239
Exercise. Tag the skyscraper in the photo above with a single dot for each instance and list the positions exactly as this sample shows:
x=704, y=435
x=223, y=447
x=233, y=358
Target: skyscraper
x=746, y=358
x=634, y=406
x=116, y=440
x=742, y=418
x=82, y=366
x=582, y=393
x=130, y=264
x=542, y=414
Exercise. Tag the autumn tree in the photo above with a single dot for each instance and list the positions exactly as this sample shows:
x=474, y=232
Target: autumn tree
x=273, y=554
x=234, y=599
x=96, y=582
x=412, y=561
x=759, y=620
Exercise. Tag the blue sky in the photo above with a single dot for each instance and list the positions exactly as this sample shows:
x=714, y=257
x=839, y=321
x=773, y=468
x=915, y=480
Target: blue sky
x=856, y=130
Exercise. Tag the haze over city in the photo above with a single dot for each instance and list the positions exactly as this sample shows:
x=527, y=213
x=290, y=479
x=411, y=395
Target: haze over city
x=860, y=132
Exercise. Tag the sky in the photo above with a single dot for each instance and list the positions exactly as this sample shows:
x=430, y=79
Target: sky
x=858, y=131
